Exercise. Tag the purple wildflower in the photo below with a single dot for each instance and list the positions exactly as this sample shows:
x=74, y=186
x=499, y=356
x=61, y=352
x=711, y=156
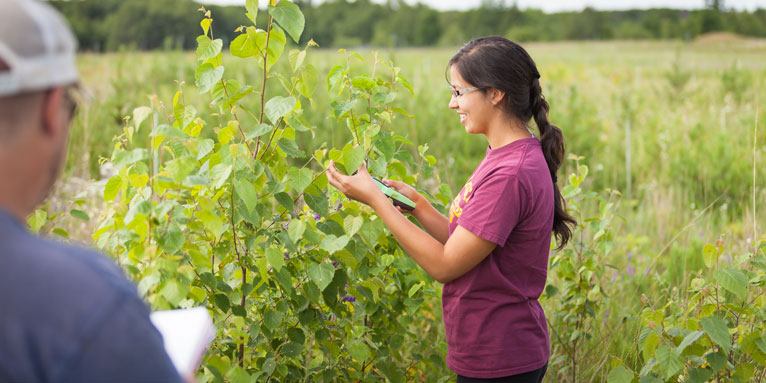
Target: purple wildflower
x=340, y=205
x=287, y=255
x=646, y=271
x=335, y=264
x=317, y=217
x=349, y=298
x=630, y=255
x=631, y=270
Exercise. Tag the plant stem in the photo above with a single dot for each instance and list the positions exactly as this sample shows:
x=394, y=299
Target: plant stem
x=265, y=77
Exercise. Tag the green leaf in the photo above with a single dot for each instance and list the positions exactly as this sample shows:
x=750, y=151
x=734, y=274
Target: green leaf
x=222, y=302
x=174, y=292
x=363, y=82
x=284, y=200
x=37, y=220
x=173, y=240
x=414, y=289
x=220, y=174
x=295, y=230
x=124, y=158
x=620, y=374
x=289, y=17
x=275, y=258
x=279, y=106
x=213, y=223
x=359, y=351
x=243, y=46
x=341, y=108
x=269, y=365
x=709, y=255
x=717, y=330
x=207, y=49
x=112, y=187
x=206, y=76
x=204, y=148
x=385, y=144
x=335, y=74
x=321, y=274
x=332, y=244
x=79, y=214
x=300, y=178
x=689, y=339
x=296, y=58
x=353, y=157
x=649, y=379
x=247, y=193
x=732, y=280
x=277, y=41
x=252, y=9
x=699, y=375
x=239, y=375
x=670, y=361
x=352, y=224
x=140, y=114
x=309, y=81
x=259, y=130
x=317, y=203
x=289, y=147
x=205, y=24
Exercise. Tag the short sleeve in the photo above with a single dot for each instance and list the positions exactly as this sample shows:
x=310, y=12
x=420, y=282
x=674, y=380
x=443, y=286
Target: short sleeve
x=126, y=347
x=493, y=208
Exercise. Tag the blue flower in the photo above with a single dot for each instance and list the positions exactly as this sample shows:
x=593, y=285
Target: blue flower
x=349, y=298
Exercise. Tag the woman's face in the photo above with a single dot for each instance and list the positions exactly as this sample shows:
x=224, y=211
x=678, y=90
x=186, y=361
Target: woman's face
x=473, y=107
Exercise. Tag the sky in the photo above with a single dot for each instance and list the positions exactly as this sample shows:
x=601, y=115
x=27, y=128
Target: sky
x=566, y=5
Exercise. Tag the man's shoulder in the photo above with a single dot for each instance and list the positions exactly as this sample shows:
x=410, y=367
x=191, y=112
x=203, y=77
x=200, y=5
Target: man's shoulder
x=60, y=296
x=58, y=264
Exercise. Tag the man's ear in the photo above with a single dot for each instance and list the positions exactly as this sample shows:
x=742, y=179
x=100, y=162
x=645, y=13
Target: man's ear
x=51, y=111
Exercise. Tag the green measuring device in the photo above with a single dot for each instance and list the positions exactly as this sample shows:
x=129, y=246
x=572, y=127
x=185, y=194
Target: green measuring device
x=398, y=198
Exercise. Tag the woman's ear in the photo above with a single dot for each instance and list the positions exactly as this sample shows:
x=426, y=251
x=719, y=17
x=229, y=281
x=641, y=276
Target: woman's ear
x=495, y=96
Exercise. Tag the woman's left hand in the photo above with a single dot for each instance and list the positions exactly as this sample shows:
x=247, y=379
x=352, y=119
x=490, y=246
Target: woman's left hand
x=360, y=187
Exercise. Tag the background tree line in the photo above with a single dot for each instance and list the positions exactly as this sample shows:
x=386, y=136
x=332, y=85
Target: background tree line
x=105, y=25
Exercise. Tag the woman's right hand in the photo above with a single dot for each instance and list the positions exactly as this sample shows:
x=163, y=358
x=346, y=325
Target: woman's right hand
x=409, y=192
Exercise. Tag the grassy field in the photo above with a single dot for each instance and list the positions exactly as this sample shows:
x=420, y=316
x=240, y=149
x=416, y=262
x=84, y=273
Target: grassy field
x=676, y=127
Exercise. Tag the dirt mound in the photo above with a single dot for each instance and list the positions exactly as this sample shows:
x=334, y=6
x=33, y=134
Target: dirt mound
x=718, y=37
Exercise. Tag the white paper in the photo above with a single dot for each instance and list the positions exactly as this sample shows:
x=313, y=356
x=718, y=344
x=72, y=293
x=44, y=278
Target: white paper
x=186, y=333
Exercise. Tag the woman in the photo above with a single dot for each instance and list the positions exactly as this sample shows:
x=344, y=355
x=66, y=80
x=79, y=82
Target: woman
x=491, y=253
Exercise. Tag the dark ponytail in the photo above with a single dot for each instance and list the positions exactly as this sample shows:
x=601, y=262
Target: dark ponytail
x=552, y=142
x=498, y=63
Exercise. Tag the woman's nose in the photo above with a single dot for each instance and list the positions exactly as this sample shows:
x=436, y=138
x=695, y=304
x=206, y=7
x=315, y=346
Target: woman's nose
x=453, y=102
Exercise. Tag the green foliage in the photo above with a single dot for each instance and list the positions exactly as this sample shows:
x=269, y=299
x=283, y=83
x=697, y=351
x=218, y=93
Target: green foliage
x=718, y=332
x=576, y=289
x=235, y=215
x=152, y=24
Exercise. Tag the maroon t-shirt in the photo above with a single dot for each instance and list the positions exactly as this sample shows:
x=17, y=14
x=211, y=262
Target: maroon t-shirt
x=495, y=325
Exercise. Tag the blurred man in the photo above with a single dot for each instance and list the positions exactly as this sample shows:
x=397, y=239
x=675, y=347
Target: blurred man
x=66, y=314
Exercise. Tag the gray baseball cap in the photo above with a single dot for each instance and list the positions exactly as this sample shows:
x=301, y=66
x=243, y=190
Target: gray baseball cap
x=37, y=45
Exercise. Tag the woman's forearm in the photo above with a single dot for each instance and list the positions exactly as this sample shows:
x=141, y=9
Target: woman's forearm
x=434, y=222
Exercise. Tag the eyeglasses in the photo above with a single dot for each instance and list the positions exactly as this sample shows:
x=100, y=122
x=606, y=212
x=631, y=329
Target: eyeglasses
x=460, y=92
